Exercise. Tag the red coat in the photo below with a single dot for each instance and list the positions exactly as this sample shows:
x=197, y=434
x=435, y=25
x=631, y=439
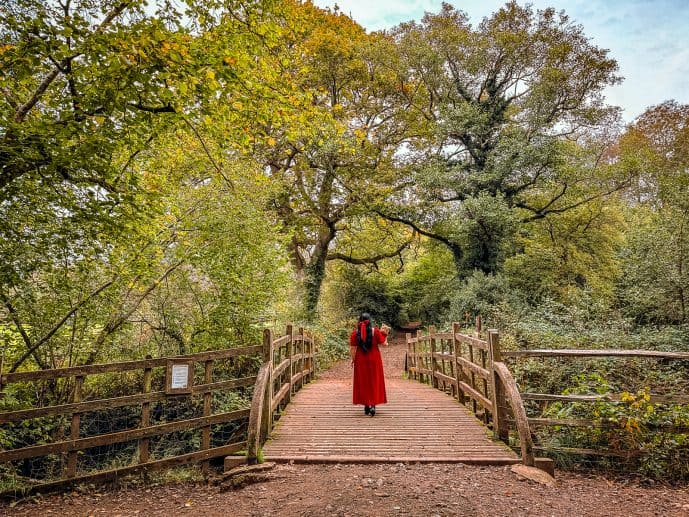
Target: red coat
x=369, y=379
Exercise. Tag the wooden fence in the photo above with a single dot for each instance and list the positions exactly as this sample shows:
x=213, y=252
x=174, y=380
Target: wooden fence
x=474, y=371
x=543, y=399
x=470, y=369
x=156, y=404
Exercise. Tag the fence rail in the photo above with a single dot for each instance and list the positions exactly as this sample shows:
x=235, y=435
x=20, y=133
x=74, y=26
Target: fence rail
x=287, y=361
x=474, y=371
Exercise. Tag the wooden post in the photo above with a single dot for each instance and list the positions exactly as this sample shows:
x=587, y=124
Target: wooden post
x=207, y=411
x=303, y=362
x=267, y=416
x=500, y=429
x=484, y=382
x=482, y=355
x=144, y=453
x=418, y=349
x=441, y=365
x=458, y=367
x=472, y=377
x=434, y=366
x=74, y=427
x=290, y=354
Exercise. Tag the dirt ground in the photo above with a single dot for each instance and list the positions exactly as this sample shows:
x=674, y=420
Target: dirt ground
x=375, y=490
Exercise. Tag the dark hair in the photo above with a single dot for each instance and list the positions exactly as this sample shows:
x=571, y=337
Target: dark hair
x=365, y=344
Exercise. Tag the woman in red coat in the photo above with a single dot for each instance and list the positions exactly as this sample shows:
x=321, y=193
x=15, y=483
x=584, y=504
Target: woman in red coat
x=369, y=380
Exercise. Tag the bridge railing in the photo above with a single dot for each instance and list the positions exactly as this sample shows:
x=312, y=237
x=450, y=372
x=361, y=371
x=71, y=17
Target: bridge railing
x=160, y=399
x=651, y=398
x=470, y=369
x=474, y=371
x=289, y=362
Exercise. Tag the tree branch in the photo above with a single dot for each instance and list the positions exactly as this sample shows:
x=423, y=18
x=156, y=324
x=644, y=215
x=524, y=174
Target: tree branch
x=57, y=326
x=23, y=110
x=369, y=260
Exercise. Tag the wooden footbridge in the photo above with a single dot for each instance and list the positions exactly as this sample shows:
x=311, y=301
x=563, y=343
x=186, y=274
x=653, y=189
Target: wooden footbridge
x=458, y=403
x=418, y=424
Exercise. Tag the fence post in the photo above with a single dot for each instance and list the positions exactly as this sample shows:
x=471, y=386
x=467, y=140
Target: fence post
x=267, y=416
x=457, y=350
x=290, y=354
x=145, y=415
x=207, y=410
x=434, y=366
x=500, y=429
x=74, y=427
x=303, y=362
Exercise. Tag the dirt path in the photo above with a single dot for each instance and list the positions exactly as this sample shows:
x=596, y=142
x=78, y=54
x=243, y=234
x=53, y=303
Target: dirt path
x=376, y=490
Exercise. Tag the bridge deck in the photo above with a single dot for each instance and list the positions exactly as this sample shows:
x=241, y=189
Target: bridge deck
x=418, y=424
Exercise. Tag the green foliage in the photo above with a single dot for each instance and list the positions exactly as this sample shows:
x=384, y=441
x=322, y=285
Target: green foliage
x=370, y=293
x=636, y=430
x=479, y=294
x=654, y=286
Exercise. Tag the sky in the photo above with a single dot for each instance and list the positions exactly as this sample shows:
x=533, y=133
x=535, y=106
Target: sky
x=648, y=38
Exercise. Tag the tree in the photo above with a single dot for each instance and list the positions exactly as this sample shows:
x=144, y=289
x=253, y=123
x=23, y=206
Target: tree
x=89, y=234
x=500, y=102
x=341, y=155
x=655, y=151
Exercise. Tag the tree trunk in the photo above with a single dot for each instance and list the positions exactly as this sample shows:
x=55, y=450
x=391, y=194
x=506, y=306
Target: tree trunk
x=315, y=272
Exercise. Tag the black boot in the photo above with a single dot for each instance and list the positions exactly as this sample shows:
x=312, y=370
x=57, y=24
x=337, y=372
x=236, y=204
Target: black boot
x=372, y=411
x=367, y=410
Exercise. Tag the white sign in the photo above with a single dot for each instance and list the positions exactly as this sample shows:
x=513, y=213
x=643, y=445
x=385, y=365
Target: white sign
x=180, y=376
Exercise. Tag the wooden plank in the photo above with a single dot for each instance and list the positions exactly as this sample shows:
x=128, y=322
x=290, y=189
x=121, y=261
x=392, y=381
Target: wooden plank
x=74, y=427
x=446, y=378
x=417, y=424
x=101, y=477
x=144, y=455
x=608, y=397
x=281, y=340
x=570, y=422
x=207, y=411
x=126, y=365
x=122, y=436
x=297, y=377
x=473, y=341
x=443, y=335
x=481, y=372
x=128, y=400
x=279, y=396
x=587, y=452
x=606, y=424
x=476, y=395
x=280, y=368
x=656, y=354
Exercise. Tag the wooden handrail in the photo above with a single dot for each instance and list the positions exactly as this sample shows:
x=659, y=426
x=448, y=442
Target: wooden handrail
x=521, y=420
x=264, y=400
x=657, y=354
x=253, y=441
x=124, y=366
